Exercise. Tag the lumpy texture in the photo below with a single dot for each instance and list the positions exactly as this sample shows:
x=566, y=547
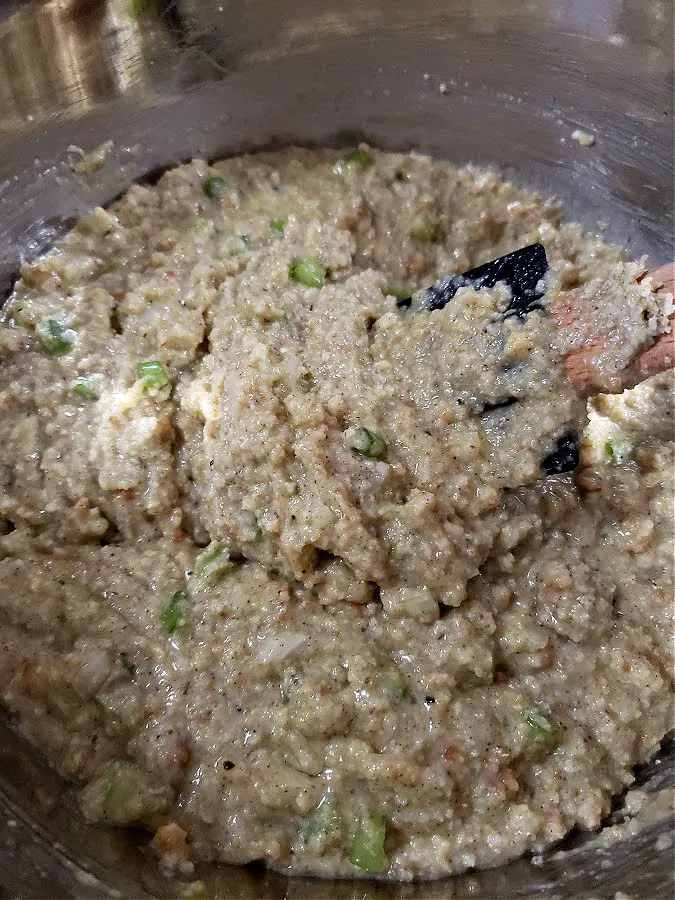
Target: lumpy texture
x=284, y=566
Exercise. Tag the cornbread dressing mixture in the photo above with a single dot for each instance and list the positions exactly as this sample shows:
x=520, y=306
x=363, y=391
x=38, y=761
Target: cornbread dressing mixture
x=295, y=570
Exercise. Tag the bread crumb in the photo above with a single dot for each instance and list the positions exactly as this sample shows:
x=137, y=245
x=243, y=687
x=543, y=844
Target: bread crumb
x=93, y=161
x=584, y=138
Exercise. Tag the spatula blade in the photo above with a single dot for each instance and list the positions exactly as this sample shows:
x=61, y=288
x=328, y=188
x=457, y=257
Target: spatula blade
x=522, y=271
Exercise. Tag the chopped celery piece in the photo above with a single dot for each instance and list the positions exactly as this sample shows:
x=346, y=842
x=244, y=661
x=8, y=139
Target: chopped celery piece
x=398, y=288
x=84, y=391
x=366, y=847
x=54, y=337
x=250, y=527
x=205, y=227
x=116, y=797
x=108, y=710
x=279, y=224
x=368, y=443
x=237, y=244
x=308, y=272
x=539, y=728
x=153, y=374
x=210, y=566
x=323, y=827
x=473, y=680
x=395, y=685
x=173, y=616
x=288, y=686
x=358, y=158
x=137, y=8
x=619, y=451
x=215, y=187
x=426, y=230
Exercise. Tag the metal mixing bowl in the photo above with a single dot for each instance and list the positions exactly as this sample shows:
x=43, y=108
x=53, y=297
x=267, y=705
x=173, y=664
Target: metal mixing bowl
x=476, y=80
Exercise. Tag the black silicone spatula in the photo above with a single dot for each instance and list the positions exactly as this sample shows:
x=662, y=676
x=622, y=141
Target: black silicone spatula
x=522, y=271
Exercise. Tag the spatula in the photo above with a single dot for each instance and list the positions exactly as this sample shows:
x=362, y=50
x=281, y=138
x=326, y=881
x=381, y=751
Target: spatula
x=523, y=272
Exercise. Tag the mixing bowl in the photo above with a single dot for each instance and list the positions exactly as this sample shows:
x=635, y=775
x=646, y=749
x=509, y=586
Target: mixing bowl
x=486, y=81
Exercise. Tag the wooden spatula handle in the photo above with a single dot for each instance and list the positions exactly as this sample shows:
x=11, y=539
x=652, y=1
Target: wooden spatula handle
x=660, y=356
x=582, y=365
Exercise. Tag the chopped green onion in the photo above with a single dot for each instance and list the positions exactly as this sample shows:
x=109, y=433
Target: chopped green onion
x=618, y=451
x=539, y=728
x=398, y=288
x=359, y=157
x=212, y=564
x=175, y=612
x=55, y=338
x=369, y=444
x=426, y=230
x=84, y=391
x=153, y=374
x=278, y=224
x=118, y=796
x=322, y=827
x=308, y=272
x=366, y=848
x=215, y=187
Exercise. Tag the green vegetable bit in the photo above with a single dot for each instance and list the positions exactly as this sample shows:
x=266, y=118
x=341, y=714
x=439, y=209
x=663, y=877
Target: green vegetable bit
x=395, y=685
x=540, y=729
x=472, y=680
x=322, y=828
x=118, y=796
x=250, y=527
x=278, y=224
x=175, y=612
x=366, y=847
x=237, y=244
x=204, y=227
x=355, y=158
x=216, y=187
x=309, y=272
x=84, y=391
x=426, y=230
x=153, y=374
x=619, y=451
x=398, y=288
x=212, y=564
x=369, y=444
x=55, y=338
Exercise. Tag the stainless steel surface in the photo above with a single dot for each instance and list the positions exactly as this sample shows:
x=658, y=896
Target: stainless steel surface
x=478, y=80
